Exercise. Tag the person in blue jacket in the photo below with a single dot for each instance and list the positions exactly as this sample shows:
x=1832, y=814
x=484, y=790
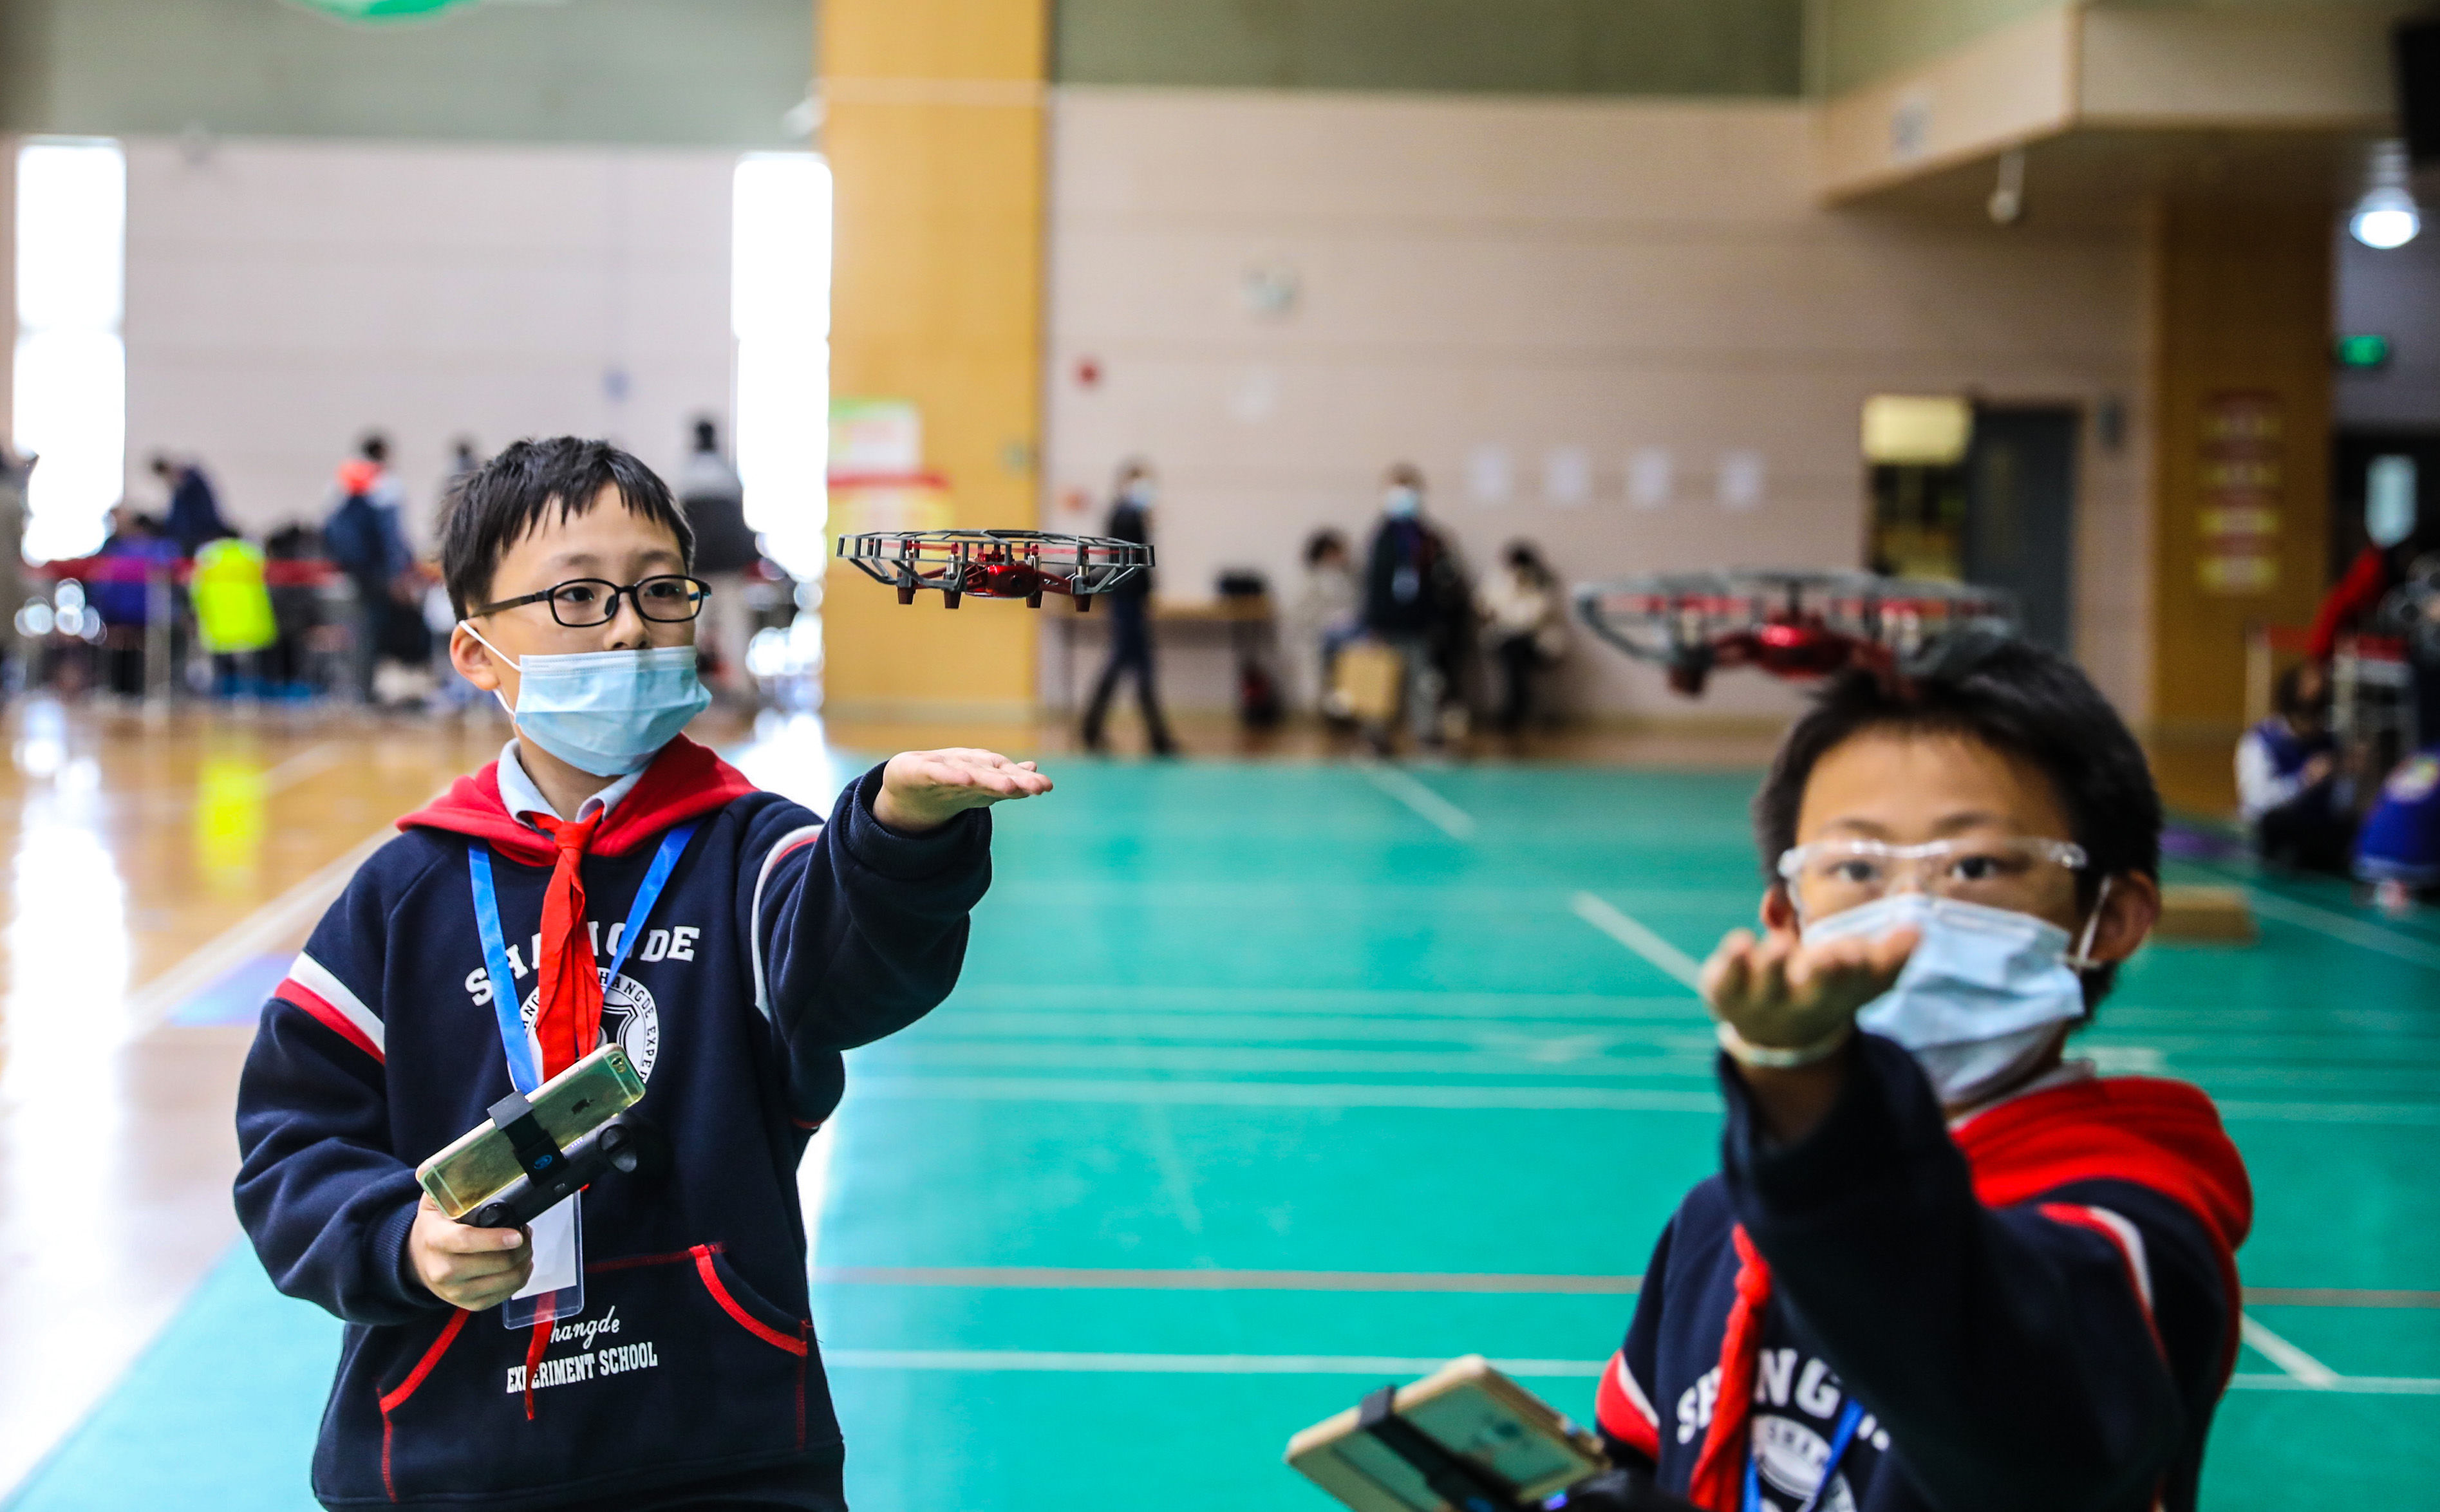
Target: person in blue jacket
x=1942, y=1267
x=605, y=878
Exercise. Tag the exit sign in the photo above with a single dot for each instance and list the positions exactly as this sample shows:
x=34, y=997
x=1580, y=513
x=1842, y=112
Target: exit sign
x=2364, y=350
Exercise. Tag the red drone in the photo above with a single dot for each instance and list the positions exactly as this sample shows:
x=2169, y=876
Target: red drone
x=995, y=563
x=1788, y=624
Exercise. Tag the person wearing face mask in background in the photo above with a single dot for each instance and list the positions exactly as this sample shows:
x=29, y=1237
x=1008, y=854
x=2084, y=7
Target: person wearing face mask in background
x=1414, y=599
x=606, y=877
x=1131, y=647
x=1942, y=1266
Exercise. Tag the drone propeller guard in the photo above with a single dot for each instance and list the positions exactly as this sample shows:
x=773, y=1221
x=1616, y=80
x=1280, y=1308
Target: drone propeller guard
x=1790, y=624
x=996, y=564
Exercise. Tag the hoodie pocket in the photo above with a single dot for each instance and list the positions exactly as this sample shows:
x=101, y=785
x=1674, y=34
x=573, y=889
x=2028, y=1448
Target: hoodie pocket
x=676, y=1362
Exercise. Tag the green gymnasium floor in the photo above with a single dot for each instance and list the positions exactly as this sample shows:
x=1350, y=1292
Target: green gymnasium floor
x=1267, y=1083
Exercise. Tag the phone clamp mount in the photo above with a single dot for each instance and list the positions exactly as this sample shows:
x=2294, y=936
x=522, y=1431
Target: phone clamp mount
x=1470, y=1486
x=551, y=1175
x=996, y=564
x=1456, y=1480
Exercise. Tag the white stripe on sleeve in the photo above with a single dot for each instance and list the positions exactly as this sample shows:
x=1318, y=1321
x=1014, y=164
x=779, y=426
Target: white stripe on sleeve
x=792, y=840
x=317, y=979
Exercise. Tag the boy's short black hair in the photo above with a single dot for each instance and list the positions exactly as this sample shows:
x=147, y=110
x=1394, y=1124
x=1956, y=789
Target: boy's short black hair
x=500, y=503
x=2014, y=698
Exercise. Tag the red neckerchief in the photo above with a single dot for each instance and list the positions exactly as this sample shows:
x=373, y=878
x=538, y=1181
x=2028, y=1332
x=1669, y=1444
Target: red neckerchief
x=685, y=780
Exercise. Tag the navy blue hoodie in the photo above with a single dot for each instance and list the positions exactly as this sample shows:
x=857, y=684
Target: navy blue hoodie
x=2036, y=1311
x=778, y=943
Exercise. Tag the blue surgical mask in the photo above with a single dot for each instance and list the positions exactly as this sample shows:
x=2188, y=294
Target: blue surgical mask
x=608, y=713
x=1402, y=503
x=1984, y=991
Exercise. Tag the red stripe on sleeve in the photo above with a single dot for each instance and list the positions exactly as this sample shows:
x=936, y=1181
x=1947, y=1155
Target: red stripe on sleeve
x=297, y=995
x=1618, y=1406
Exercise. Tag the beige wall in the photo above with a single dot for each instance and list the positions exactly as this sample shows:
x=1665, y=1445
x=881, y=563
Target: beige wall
x=1537, y=276
x=285, y=296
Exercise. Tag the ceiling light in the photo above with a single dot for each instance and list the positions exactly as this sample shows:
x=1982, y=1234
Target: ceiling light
x=2386, y=217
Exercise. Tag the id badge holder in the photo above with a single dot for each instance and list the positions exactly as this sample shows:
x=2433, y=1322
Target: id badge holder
x=556, y=1289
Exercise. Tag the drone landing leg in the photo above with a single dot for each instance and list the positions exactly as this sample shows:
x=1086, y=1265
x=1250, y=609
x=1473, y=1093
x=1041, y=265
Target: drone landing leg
x=1084, y=603
x=905, y=592
x=950, y=597
x=1033, y=599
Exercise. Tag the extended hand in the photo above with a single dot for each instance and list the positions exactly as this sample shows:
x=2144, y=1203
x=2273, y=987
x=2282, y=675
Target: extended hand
x=1783, y=994
x=924, y=789
x=466, y=1266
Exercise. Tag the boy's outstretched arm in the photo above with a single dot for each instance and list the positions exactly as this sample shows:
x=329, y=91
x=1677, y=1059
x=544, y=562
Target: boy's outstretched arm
x=2015, y=1357
x=860, y=926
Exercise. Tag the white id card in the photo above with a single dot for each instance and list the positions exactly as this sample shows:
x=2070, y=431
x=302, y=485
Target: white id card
x=558, y=1279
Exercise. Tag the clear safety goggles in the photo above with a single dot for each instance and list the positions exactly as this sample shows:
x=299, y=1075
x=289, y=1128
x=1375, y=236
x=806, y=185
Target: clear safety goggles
x=1832, y=875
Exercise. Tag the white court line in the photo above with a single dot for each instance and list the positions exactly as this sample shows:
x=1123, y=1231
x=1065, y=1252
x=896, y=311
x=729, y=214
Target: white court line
x=311, y=761
x=1453, y=821
x=2310, y=1373
x=887, y=1087
x=2343, y=1385
x=1636, y=937
x=1272, y=1094
x=260, y=933
x=2413, y=1114
x=2339, y=926
x=1053, y=1362
x=1079, y=1361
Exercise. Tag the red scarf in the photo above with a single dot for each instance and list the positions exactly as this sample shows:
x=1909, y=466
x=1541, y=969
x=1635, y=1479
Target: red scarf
x=568, y=1018
x=2165, y=1136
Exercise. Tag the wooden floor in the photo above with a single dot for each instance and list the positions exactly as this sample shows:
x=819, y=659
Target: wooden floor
x=152, y=856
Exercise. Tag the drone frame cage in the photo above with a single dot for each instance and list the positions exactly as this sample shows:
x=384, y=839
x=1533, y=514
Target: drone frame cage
x=996, y=564
x=1792, y=624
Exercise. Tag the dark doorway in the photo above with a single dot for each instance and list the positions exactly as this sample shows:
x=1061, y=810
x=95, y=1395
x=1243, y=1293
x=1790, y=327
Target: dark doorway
x=2021, y=515
x=2409, y=456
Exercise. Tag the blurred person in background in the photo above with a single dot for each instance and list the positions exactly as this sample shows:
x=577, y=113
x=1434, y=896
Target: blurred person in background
x=2288, y=778
x=14, y=471
x=1414, y=599
x=1131, y=647
x=194, y=508
x=138, y=543
x=2349, y=608
x=725, y=551
x=1521, y=608
x=1327, y=614
x=465, y=460
x=297, y=611
x=366, y=538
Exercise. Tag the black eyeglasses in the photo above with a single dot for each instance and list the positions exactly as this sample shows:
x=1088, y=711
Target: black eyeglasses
x=581, y=603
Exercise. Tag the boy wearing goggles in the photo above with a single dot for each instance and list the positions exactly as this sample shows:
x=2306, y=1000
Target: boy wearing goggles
x=1943, y=1267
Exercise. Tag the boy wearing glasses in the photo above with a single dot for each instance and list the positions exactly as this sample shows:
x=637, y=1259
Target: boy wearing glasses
x=1942, y=1266
x=605, y=878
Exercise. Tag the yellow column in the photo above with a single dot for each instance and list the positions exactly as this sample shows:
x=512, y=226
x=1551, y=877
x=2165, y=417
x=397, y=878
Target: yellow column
x=2240, y=396
x=933, y=129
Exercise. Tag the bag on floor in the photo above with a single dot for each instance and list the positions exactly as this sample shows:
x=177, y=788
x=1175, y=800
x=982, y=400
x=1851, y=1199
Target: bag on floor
x=1367, y=678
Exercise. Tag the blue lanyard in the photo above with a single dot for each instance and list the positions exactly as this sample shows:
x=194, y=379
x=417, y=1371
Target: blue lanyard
x=1840, y=1437
x=516, y=1036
